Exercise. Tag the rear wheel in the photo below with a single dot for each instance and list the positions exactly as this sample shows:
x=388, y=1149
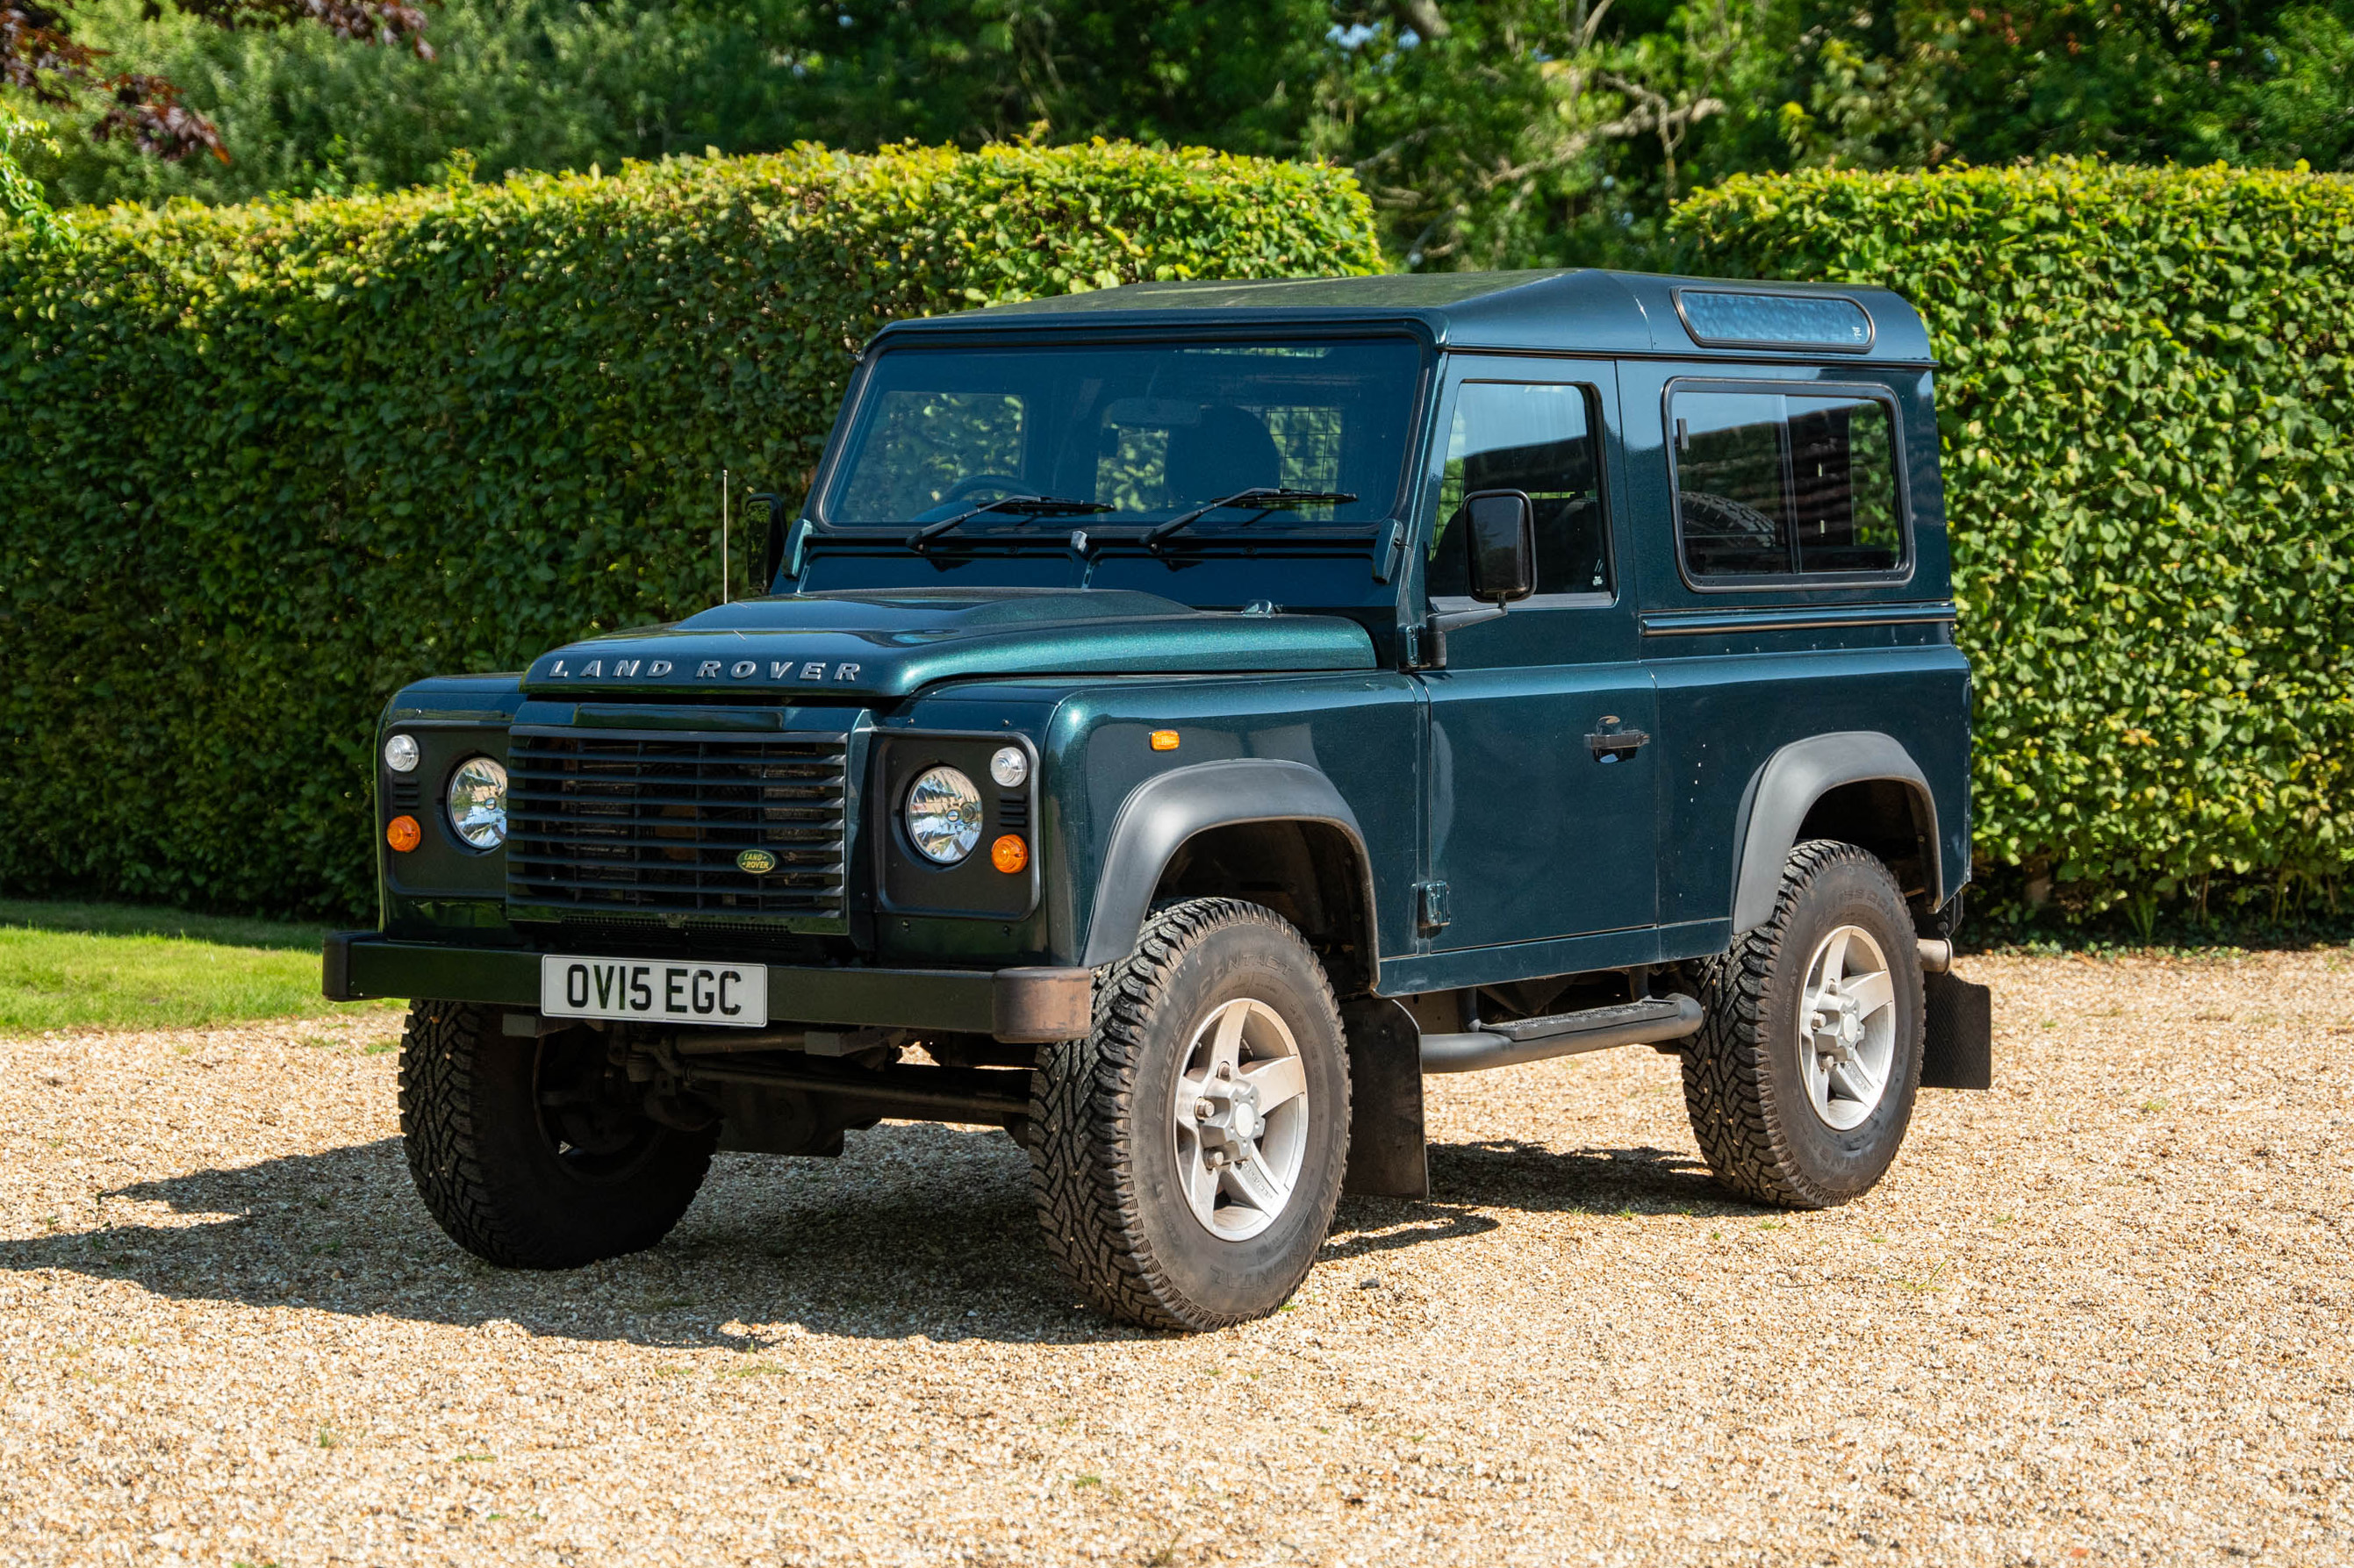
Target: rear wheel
x=1187, y=1154
x=536, y=1152
x=1801, y=1079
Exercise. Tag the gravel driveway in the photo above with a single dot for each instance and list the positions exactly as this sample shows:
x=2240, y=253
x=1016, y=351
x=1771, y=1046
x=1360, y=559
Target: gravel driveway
x=2100, y=1314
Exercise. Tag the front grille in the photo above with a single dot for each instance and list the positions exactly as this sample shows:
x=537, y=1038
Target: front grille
x=604, y=824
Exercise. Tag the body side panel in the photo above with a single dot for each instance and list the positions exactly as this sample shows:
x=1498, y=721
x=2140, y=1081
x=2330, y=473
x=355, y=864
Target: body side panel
x=1356, y=731
x=1745, y=670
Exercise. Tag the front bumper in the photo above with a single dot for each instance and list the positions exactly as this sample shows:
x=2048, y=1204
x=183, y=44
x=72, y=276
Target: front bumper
x=1023, y=1006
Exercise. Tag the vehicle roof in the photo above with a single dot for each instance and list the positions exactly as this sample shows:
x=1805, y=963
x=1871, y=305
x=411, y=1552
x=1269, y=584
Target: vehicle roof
x=1577, y=310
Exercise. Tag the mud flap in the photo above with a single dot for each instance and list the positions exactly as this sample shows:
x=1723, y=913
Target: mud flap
x=1387, y=1154
x=1959, y=1052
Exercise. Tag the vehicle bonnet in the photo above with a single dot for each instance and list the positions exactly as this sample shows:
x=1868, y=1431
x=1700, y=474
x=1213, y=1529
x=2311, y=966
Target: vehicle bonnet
x=889, y=642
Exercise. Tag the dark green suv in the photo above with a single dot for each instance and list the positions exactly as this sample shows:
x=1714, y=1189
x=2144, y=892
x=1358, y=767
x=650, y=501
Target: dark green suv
x=1185, y=715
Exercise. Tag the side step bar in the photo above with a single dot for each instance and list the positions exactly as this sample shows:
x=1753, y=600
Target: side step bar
x=1562, y=1034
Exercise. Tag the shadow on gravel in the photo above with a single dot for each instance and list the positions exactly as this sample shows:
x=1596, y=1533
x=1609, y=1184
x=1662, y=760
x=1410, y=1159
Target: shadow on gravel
x=918, y=1229
x=1505, y=1174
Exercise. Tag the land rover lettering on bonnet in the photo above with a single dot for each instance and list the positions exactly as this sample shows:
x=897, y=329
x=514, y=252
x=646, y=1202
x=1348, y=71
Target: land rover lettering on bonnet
x=1184, y=717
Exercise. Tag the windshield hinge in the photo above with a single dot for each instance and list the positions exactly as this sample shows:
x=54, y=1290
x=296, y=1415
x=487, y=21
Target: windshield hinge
x=1432, y=909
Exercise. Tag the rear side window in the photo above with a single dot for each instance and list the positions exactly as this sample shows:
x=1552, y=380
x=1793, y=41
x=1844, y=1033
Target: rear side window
x=1786, y=484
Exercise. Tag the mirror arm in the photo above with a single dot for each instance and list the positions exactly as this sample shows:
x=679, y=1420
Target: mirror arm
x=1436, y=626
x=787, y=538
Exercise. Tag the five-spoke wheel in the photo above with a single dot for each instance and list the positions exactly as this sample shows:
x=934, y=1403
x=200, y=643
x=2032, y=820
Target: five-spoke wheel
x=1849, y=1017
x=1800, y=1080
x=1187, y=1156
x=1241, y=1113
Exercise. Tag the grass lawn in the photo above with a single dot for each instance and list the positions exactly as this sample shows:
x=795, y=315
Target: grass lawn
x=112, y=966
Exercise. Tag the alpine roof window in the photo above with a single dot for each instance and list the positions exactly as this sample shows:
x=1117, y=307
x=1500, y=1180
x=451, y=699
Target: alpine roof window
x=1786, y=484
x=1740, y=319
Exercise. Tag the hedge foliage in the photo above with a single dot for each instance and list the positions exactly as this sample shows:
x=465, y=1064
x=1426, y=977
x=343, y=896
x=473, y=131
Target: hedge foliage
x=260, y=465
x=2148, y=418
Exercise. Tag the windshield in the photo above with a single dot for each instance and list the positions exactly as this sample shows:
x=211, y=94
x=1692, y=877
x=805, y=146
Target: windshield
x=1133, y=433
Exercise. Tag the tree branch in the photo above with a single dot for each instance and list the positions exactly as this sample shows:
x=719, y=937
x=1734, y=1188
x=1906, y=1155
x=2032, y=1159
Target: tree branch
x=1422, y=17
x=40, y=58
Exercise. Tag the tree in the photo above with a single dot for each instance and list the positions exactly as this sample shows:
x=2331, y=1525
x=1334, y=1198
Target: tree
x=1489, y=132
x=21, y=199
x=42, y=57
x=2140, y=81
x=1524, y=132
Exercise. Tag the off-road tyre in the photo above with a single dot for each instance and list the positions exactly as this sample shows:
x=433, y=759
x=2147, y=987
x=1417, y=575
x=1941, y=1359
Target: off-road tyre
x=492, y=1179
x=1103, y=1170
x=1757, y=1131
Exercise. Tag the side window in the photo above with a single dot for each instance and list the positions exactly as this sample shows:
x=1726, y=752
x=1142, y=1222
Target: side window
x=1540, y=439
x=1785, y=485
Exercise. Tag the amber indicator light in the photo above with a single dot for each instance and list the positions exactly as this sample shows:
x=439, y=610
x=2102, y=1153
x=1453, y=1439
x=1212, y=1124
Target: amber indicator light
x=402, y=834
x=1165, y=740
x=1008, y=854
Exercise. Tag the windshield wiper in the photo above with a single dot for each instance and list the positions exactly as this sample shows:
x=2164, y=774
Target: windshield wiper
x=1261, y=499
x=1018, y=505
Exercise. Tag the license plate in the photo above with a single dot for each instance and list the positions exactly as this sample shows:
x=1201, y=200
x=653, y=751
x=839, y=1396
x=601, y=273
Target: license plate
x=721, y=995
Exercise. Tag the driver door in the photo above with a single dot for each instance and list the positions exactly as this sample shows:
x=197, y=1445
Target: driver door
x=1543, y=784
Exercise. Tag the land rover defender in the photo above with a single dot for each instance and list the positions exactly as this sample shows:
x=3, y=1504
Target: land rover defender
x=1180, y=718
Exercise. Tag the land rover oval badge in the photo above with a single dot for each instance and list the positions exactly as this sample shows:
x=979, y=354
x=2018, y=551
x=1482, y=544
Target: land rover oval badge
x=759, y=861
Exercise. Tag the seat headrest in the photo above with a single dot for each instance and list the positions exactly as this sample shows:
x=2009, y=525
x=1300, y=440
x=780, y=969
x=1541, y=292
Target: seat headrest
x=1228, y=451
x=1544, y=467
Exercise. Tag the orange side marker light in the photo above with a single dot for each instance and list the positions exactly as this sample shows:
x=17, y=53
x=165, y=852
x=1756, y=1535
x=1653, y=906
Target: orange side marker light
x=402, y=834
x=1008, y=854
x=1165, y=740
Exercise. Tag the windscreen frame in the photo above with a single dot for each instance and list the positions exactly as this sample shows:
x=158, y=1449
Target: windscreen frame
x=833, y=467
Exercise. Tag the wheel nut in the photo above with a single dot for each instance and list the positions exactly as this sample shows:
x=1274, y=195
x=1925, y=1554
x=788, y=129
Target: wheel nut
x=1204, y=1110
x=1225, y=1070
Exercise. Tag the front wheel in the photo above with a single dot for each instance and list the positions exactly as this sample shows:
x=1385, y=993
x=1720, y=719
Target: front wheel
x=537, y=1152
x=1187, y=1155
x=1800, y=1081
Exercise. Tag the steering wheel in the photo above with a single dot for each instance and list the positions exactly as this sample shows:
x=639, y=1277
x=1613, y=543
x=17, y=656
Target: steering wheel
x=965, y=487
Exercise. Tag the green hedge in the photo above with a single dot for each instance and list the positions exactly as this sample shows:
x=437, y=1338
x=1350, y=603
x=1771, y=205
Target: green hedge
x=260, y=465
x=2147, y=416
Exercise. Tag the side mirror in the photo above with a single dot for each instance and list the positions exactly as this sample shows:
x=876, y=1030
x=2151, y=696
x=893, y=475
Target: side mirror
x=779, y=540
x=1499, y=529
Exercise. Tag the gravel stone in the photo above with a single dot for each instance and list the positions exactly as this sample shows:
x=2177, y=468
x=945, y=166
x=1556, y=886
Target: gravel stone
x=2098, y=1315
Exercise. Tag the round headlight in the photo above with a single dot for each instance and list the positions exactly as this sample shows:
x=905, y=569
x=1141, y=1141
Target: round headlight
x=1010, y=767
x=400, y=753
x=478, y=802
x=943, y=815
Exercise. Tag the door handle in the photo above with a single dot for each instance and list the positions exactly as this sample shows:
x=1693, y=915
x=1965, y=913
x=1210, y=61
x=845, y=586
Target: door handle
x=1616, y=745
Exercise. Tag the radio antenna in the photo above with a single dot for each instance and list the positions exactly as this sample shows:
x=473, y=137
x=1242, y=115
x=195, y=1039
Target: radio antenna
x=723, y=535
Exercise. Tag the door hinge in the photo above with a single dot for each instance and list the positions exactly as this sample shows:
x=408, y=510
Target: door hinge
x=1430, y=907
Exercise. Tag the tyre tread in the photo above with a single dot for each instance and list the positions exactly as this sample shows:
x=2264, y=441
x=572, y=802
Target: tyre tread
x=1734, y=1116
x=1083, y=1126
x=459, y=1176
